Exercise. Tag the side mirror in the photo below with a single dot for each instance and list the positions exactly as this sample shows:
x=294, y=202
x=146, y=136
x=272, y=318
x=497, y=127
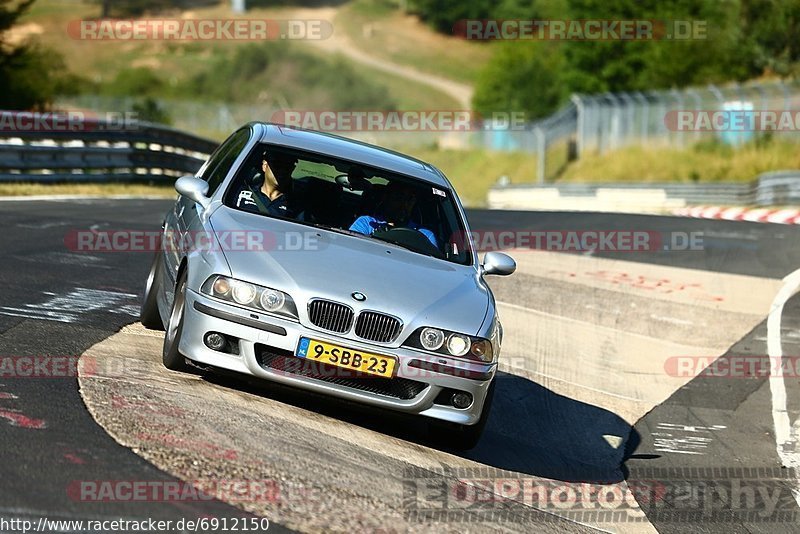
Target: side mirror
x=193, y=188
x=498, y=263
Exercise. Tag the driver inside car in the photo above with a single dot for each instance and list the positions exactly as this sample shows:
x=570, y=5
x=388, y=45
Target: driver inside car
x=270, y=197
x=393, y=212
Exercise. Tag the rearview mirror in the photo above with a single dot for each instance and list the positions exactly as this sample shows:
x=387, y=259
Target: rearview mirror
x=193, y=188
x=498, y=263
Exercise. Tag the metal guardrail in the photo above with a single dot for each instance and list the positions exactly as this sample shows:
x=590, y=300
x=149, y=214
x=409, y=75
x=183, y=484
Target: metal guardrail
x=42, y=148
x=769, y=189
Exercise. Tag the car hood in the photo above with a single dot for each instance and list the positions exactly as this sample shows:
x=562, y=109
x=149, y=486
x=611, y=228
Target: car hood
x=308, y=262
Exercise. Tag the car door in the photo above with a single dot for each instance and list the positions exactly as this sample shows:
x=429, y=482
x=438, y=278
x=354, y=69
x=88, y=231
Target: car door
x=183, y=225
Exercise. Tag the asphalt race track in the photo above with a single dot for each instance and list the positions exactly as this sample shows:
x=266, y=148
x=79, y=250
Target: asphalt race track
x=593, y=398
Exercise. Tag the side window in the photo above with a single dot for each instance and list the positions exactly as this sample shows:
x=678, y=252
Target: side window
x=221, y=161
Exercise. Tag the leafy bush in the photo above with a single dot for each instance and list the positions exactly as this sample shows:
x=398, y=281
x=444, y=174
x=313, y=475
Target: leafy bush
x=149, y=110
x=525, y=77
x=138, y=81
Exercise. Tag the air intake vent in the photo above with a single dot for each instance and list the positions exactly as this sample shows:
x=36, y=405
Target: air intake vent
x=330, y=315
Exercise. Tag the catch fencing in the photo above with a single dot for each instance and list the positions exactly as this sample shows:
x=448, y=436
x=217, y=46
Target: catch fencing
x=588, y=124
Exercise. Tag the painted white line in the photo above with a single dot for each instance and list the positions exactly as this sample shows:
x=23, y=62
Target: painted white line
x=41, y=226
x=784, y=442
x=672, y=320
x=71, y=307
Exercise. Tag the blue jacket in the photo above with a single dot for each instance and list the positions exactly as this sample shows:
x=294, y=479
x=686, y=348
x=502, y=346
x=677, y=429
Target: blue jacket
x=367, y=224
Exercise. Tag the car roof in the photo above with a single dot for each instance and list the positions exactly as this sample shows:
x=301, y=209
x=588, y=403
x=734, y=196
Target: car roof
x=351, y=150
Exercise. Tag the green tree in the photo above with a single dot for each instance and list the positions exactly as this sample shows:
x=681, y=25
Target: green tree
x=522, y=76
x=743, y=39
x=30, y=76
x=770, y=30
x=620, y=65
x=444, y=14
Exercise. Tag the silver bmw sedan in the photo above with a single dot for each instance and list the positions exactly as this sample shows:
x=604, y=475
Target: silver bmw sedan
x=333, y=266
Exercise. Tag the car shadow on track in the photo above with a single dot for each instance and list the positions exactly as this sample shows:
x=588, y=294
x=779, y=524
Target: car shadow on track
x=531, y=430
x=536, y=431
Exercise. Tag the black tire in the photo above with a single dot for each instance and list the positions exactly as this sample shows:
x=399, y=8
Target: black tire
x=463, y=437
x=148, y=313
x=172, y=358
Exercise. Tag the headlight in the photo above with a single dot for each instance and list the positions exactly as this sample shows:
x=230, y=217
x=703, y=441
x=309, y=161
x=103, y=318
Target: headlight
x=271, y=299
x=431, y=338
x=458, y=345
x=451, y=344
x=243, y=293
x=250, y=295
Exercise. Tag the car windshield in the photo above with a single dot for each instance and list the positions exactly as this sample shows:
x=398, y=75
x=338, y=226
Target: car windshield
x=351, y=198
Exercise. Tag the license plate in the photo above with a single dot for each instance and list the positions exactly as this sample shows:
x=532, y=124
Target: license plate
x=355, y=360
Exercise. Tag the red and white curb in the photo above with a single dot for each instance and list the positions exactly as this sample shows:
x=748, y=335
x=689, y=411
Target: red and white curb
x=784, y=216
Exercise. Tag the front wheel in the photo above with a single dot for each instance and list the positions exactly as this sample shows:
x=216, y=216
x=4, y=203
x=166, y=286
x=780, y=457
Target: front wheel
x=172, y=357
x=148, y=313
x=463, y=437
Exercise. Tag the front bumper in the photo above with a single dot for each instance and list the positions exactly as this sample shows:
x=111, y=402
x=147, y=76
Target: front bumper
x=266, y=343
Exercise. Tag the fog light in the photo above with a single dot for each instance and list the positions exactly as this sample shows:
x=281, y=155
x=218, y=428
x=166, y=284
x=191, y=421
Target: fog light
x=215, y=341
x=461, y=400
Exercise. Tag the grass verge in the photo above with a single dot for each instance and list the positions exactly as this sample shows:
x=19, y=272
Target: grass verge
x=701, y=163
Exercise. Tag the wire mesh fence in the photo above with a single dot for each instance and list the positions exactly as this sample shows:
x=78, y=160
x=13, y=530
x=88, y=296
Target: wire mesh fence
x=588, y=124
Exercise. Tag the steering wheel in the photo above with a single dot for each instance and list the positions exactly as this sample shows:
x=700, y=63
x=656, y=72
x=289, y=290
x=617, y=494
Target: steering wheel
x=410, y=238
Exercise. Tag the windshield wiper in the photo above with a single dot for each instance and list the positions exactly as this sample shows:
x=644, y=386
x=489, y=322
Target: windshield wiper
x=338, y=230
